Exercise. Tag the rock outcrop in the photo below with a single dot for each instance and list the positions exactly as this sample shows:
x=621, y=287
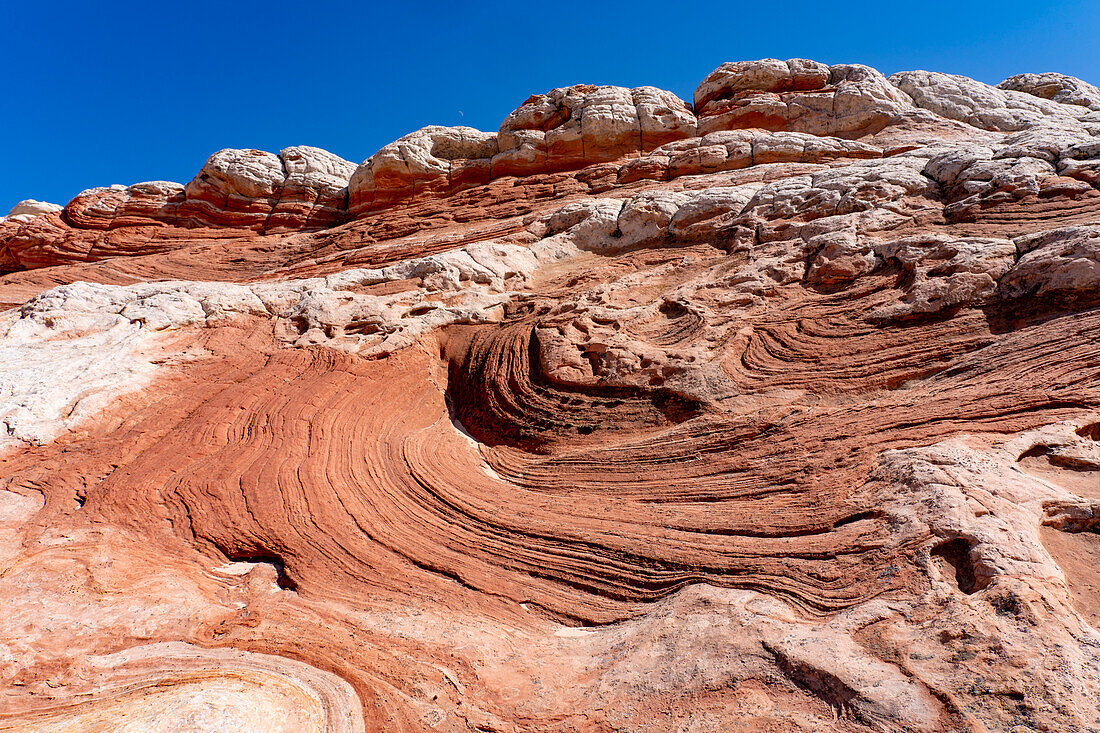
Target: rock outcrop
x=845, y=100
x=29, y=209
x=300, y=188
x=775, y=411
x=1056, y=87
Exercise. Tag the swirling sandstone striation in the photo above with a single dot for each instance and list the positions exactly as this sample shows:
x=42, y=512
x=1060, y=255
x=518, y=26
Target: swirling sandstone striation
x=777, y=411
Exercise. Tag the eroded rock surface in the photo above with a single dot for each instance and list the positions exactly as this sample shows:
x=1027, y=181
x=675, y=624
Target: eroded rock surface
x=778, y=411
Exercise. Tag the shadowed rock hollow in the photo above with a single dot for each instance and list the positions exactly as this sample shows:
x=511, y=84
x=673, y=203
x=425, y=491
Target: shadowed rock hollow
x=774, y=411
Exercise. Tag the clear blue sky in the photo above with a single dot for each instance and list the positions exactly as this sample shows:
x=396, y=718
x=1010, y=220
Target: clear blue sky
x=119, y=92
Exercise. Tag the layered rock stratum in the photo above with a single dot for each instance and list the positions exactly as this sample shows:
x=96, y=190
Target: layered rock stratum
x=778, y=410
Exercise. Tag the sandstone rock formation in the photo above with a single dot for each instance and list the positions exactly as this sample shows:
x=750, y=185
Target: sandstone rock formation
x=28, y=209
x=779, y=411
x=1057, y=87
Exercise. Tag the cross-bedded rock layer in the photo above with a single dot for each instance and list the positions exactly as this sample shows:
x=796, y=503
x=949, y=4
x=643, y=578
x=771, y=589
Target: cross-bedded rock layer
x=773, y=412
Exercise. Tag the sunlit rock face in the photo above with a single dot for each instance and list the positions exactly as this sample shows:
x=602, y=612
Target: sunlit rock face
x=774, y=411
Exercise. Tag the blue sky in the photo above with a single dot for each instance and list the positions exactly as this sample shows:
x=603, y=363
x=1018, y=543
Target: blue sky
x=121, y=92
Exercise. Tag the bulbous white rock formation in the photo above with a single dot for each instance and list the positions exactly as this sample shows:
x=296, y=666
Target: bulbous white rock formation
x=1055, y=87
x=28, y=209
x=435, y=159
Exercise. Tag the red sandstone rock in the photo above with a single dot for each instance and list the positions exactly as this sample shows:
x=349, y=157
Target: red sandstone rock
x=153, y=203
x=784, y=417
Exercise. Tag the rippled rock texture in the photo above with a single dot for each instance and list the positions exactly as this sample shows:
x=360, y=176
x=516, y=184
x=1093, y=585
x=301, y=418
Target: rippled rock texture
x=775, y=411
